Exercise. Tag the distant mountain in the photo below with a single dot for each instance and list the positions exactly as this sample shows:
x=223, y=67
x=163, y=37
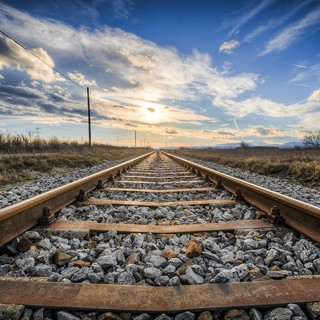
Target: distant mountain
x=292, y=144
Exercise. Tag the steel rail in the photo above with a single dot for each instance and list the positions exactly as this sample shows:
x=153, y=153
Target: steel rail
x=299, y=215
x=20, y=217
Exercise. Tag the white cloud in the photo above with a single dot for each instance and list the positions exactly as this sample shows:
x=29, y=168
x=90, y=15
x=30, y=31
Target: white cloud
x=13, y=56
x=133, y=75
x=140, y=69
x=141, y=61
x=292, y=33
x=1, y=77
x=315, y=96
x=79, y=78
x=229, y=46
x=263, y=107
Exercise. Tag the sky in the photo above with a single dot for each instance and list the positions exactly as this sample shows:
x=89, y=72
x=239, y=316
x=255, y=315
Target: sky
x=178, y=72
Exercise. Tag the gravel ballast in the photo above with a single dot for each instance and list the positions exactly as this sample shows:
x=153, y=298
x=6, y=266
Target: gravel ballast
x=163, y=259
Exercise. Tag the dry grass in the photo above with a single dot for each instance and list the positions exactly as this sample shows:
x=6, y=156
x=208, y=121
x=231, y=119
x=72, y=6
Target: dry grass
x=22, y=159
x=297, y=165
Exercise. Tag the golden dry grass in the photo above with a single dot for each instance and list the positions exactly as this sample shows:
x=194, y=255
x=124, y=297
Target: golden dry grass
x=15, y=168
x=297, y=165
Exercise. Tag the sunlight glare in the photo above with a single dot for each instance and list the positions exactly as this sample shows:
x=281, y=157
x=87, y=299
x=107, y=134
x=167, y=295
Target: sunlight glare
x=152, y=115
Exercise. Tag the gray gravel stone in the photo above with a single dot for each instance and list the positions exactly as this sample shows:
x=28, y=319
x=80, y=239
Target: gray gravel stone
x=62, y=315
x=38, y=314
x=158, y=261
x=271, y=256
x=185, y=316
x=45, y=244
x=107, y=261
x=255, y=314
x=161, y=281
x=11, y=311
x=163, y=317
x=174, y=281
x=297, y=311
x=193, y=278
x=278, y=274
x=69, y=272
x=316, y=264
x=24, y=264
x=278, y=314
x=4, y=269
x=126, y=278
x=32, y=235
x=143, y=316
x=314, y=310
x=152, y=273
x=80, y=275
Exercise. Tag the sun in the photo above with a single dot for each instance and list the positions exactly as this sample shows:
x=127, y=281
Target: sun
x=152, y=115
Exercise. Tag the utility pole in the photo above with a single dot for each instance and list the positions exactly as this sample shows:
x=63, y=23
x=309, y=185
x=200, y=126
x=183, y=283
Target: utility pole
x=135, y=138
x=38, y=132
x=144, y=142
x=89, y=117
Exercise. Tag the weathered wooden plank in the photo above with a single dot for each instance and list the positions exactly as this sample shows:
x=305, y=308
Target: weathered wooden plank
x=125, y=298
x=156, y=178
x=175, y=229
x=215, y=202
x=159, y=183
x=161, y=191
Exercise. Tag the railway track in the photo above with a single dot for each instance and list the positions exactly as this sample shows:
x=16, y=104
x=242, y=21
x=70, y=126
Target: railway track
x=160, y=237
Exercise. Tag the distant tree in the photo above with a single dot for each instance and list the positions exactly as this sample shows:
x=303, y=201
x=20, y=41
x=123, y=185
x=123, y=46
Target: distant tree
x=244, y=144
x=312, y=139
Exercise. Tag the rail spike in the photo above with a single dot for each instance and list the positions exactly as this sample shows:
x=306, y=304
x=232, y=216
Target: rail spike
x=99, y=184
x=219, y=184
x=47, y=218
x=82, y=197
x=275, y=216
x=238, y=196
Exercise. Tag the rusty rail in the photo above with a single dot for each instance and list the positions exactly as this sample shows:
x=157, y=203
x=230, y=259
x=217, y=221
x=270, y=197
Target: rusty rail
x=299, y=215
x=20, y=217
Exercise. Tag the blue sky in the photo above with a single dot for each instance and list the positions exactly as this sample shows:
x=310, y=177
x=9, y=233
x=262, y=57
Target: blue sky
x=181, y=73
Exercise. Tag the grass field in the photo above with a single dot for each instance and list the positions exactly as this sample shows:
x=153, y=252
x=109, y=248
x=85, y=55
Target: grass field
x=15, y=168
x=298, y=165
x=25, y=159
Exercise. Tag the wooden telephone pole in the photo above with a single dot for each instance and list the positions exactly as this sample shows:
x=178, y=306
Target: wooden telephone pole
x=89, y=117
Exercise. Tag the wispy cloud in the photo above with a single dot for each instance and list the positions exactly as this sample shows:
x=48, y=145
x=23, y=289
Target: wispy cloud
x=229, y=46
x=171, y=131
x=307, y=74
x=247, y=16
x=292, y=33
x=122, y=8
x=273, y=23
x=302, y=85
x=300, y=66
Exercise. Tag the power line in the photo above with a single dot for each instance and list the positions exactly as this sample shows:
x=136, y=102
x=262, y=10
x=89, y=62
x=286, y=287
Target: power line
x=52, y=67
